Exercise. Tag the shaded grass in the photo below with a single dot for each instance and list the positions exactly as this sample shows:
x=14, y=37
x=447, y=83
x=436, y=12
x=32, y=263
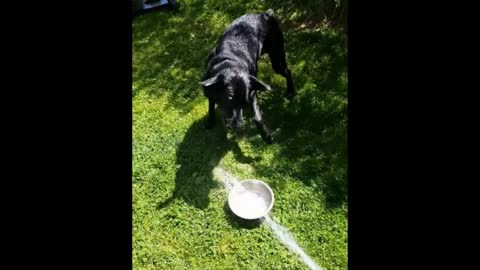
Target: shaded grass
x=301, y=14
x=180, y=220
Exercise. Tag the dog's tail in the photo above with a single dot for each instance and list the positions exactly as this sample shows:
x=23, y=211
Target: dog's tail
x=269, y=12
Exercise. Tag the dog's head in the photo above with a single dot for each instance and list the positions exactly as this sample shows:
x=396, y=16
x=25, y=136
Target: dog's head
x=232, y=91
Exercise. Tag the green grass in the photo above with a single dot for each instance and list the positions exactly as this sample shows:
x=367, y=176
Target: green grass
x=180, y=217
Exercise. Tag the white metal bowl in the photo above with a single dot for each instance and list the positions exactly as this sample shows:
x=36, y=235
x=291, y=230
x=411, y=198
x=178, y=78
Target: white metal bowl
x=250, y=199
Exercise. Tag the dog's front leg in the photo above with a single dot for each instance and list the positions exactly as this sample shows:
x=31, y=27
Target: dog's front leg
x=211, y=114
x=258, y=119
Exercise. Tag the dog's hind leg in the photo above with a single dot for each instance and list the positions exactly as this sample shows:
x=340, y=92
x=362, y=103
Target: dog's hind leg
x=276, y=52
x=277, y=57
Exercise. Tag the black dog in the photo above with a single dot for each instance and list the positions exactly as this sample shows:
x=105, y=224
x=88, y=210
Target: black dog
x=230, y=79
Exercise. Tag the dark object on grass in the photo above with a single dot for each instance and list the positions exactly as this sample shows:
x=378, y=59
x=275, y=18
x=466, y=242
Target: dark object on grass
x=230, y=78
x=139, y=6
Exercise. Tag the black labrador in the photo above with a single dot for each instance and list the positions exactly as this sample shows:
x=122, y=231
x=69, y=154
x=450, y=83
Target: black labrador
x=230, y=78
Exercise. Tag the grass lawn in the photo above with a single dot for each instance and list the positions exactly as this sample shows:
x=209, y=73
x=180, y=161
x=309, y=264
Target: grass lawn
x=180, y=216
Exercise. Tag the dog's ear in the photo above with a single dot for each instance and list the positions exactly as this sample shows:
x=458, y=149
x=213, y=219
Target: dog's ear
x=259, y=85
x=210, y=81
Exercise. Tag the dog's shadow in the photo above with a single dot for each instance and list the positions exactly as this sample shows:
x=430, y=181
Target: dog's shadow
x=197, y=155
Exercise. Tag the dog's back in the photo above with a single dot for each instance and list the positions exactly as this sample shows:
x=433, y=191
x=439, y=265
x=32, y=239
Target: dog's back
x=243, y=42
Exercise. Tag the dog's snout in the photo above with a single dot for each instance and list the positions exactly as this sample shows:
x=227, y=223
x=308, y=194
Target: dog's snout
x=234, y=123
x=229, y=122
x=229, y=125
x=238, y=123
x=234, y=120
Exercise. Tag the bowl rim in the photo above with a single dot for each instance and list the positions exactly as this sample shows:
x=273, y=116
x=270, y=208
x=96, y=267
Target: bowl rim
x=257, y=181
